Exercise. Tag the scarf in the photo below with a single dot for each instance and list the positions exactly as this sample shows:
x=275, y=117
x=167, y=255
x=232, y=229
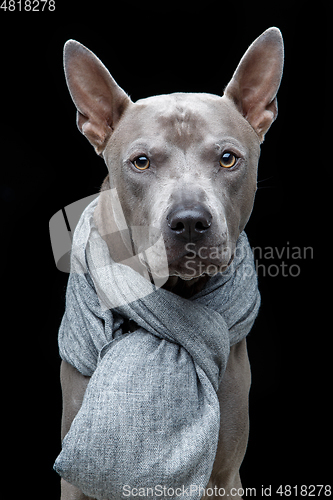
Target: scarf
x=150, y=415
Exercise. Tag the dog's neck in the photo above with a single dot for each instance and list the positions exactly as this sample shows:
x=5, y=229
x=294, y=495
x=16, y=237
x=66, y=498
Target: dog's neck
x=185, y=288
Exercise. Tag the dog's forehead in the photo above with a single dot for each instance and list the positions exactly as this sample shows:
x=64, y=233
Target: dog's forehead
x=188, y=117
x=179, y=102
x=179, y=108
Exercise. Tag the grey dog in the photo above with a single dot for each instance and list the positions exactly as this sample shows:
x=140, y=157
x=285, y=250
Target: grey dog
x=185, y=164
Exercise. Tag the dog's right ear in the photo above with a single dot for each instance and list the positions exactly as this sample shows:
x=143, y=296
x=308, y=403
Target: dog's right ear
x=255, y=83
x=99, y=100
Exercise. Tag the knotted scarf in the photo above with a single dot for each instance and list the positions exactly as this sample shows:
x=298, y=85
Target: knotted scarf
x=150, y=415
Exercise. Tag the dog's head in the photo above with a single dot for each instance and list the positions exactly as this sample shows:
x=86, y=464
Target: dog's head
x=184, y=165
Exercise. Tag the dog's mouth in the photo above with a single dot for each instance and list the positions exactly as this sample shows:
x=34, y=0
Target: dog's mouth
x=199, y=261
x=187, y=261
x=190, y=268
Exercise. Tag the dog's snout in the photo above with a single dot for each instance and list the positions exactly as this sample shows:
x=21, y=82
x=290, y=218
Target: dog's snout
x=189, y=223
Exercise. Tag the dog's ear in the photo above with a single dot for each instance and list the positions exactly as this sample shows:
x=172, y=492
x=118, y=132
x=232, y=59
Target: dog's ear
x=255, y=83
x=99, y=100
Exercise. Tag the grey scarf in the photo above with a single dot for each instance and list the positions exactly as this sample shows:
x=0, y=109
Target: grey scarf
x=150, y=414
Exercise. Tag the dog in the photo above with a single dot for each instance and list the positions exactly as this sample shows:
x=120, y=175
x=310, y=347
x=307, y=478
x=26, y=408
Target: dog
x=184, y=165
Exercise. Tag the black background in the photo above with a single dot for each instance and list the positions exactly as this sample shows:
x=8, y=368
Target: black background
x=47, y=164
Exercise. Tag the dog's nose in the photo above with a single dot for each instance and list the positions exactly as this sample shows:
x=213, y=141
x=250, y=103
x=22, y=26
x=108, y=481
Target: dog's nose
x=189, y=223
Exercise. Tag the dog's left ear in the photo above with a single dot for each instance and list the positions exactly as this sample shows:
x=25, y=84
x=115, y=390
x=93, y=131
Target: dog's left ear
x=99, y=100
x=255, y=83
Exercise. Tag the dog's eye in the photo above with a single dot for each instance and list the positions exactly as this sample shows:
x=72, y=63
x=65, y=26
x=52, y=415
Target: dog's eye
x=141, y=163
x=228, y=160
